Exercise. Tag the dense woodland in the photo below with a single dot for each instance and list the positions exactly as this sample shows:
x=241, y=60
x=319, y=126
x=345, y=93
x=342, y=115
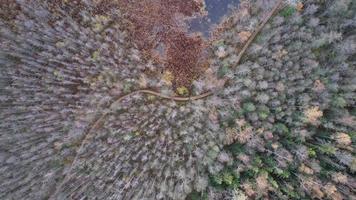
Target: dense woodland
x=279, y=122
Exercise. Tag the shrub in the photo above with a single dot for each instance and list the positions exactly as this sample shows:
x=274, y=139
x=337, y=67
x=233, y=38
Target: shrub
x=339, y=102
x=248, y=107
x=288, y=11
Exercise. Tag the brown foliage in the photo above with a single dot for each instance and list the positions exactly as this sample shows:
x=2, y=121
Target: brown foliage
x=158, y=25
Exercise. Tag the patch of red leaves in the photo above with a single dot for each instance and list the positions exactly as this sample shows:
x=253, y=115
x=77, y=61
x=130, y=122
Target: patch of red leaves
x=160, y=23
x=184, y=54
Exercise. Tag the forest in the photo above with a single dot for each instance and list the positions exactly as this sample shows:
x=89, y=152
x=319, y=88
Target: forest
x=126, y=99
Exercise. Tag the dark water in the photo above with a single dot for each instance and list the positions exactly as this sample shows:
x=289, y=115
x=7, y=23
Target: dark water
x=216, y=9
